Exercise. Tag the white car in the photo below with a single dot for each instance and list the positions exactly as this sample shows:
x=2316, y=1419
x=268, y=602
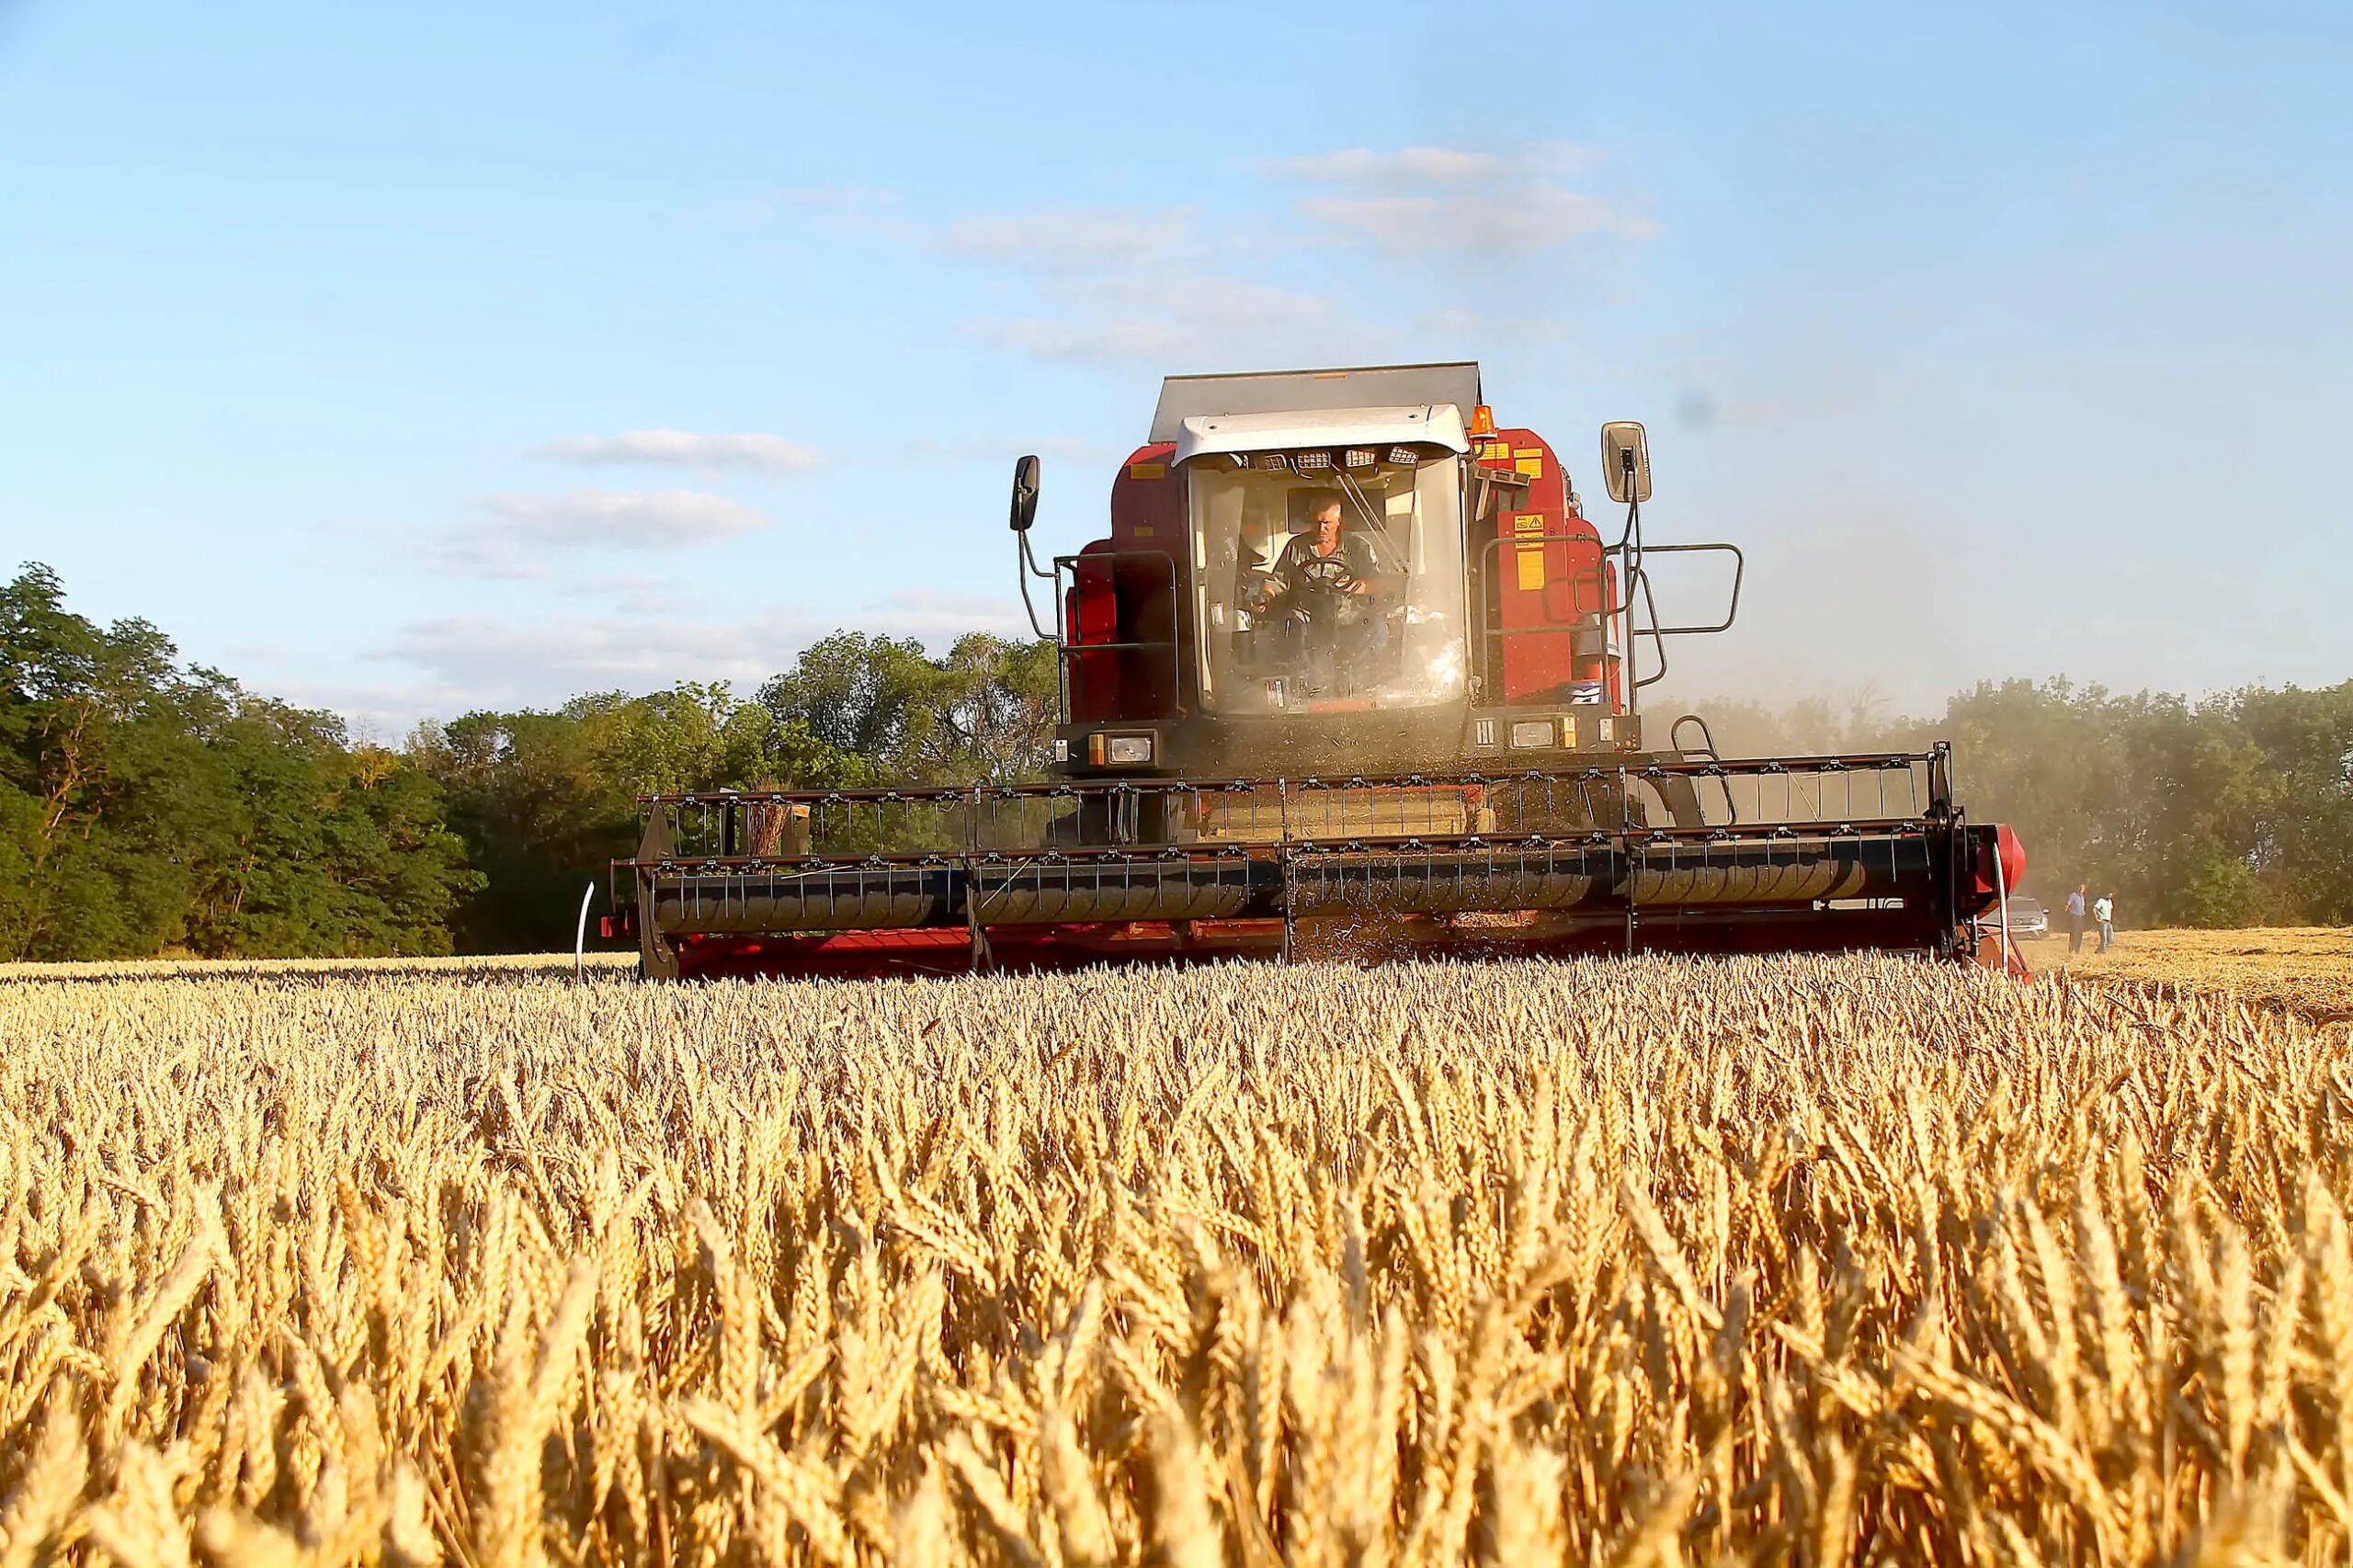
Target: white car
x=2028, y=919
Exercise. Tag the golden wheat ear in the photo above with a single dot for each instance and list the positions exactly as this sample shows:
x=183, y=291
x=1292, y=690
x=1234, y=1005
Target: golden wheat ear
x=1820, y=1260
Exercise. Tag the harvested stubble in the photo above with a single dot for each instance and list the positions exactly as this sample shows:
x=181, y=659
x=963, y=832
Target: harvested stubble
x=1809, y=1261
x=2302, y=970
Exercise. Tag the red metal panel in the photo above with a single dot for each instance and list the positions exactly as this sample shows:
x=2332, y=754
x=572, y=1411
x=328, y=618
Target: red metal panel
x=1090, y=614
x=886, y=954
x=1148, y=500
x=1983, y=880
x=1545, y=589
x=1148, y=518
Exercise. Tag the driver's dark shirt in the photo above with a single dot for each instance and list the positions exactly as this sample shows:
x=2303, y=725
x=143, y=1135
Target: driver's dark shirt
x=1354, y=551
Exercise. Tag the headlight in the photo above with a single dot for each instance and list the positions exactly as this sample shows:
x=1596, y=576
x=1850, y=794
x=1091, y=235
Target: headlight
x=1527, y=734
x=1118, y=751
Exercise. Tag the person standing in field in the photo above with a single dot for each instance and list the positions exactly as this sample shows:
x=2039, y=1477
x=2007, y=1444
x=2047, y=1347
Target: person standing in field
x=2105, y=910
x=2075, y=918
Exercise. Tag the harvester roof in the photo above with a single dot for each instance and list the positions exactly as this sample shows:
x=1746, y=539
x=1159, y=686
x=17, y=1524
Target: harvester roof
x=1438, y=425
x=1314, y=391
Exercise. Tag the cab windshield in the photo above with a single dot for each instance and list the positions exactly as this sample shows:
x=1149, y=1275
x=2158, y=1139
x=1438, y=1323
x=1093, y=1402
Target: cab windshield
x=1322, y=589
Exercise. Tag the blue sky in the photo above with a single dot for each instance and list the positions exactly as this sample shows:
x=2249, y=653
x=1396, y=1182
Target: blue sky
x=408, y=359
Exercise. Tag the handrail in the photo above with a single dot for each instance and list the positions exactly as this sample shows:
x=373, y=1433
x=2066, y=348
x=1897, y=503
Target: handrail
x=1045, y=789
x=1635, y=582
x=1068, y=649
x=1490, y=547
x=1731, y=611
x=1585, y=838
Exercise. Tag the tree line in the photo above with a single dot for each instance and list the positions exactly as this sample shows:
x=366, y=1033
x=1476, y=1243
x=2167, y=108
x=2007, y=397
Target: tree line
x=2232, y=810
x=149, y=806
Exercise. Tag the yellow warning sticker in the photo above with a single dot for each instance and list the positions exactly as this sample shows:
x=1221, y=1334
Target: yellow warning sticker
x=1532, y=466
x=1531, y=556
x=1528, y=452
x=1569, y=732
x=1142, y=530
x=1147, y=471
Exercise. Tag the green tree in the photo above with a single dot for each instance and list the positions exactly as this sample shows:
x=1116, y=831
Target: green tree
x=2232, y=811
x=857, y=708
x=146, y=808
x=545, y=802
x=323, y=849
x=101, y=763
x=2301, y=832
x=1003, y=699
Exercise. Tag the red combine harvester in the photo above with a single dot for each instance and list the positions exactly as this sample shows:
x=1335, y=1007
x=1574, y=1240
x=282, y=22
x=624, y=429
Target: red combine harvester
x=1351, y=674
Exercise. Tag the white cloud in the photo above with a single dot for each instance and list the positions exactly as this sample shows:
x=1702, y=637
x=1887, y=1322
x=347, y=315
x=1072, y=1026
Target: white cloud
x=1507, y=220
x=1417, y=164
x=626, y=519
x=634, y=593
x=1207, y=287
x=940, y=618
x=1447, y=199
x=1433, y=165
x=1184, y=321
x=520, y=537
x=1473, y=323
x=683, y=448
x=1074, y=239
x=1083, y=338
x=1004, y=448
x=458, y=663
x=480, y=661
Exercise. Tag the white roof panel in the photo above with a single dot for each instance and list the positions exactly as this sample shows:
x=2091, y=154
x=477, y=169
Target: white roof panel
x=1427, y=426
x=1306, y=391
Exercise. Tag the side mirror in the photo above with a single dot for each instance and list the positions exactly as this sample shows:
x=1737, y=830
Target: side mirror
x=1626, y=461
x=1025, y=493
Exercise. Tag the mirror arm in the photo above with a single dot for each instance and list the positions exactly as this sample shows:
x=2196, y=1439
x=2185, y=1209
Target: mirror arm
x=1630, y=563
x=1633, y=526
x=1030, y=560
x=1026, y=569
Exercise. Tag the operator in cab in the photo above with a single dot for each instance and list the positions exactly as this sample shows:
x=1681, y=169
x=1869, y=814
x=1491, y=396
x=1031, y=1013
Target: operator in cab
x=1331, y=558
x=1332, y=579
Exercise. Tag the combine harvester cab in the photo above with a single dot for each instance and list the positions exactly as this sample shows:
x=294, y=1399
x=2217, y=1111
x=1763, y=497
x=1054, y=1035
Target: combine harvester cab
x=1351, y=674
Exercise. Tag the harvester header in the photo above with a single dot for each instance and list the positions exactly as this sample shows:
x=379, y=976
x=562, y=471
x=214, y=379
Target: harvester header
x=1349, y=671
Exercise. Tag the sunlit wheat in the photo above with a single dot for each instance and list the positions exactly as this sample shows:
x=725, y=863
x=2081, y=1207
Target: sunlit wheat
x=1806, y=1261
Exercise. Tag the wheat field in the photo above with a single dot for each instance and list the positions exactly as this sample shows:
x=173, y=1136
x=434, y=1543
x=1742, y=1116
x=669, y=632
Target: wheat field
x=2305, y=970
x=1799, y=1261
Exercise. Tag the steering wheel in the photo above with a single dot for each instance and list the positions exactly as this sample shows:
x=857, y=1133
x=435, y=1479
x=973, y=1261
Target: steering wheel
x=1326, y=573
